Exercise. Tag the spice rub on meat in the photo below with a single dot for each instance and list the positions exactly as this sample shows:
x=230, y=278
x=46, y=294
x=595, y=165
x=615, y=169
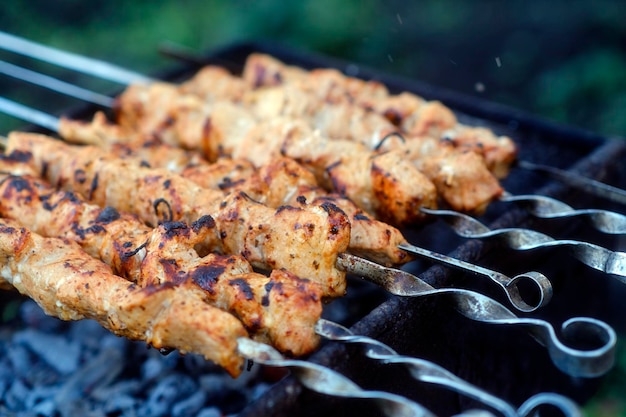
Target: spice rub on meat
x=290, y=185
x=167, y=254
x=305, y=242
x=70, y=284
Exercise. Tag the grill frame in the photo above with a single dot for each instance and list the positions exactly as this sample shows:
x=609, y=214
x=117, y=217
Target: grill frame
x=458, y=343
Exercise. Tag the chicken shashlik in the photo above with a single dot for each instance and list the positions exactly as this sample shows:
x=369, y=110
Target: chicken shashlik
x=414, y=115
x=229, y=129
x=70, y=284
x=306, y=242
x=280, y=309
x=278, y=182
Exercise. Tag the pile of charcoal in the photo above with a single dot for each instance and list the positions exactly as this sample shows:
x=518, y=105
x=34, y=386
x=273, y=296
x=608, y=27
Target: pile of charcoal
x=51, y=368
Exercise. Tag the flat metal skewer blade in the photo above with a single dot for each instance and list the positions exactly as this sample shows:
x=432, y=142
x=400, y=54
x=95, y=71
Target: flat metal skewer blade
x=55, y=84
x=91, y=66
x=588, y=185
x=28, y=114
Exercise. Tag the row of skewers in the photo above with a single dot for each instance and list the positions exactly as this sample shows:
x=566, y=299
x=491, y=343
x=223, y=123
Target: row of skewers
x=200, y=186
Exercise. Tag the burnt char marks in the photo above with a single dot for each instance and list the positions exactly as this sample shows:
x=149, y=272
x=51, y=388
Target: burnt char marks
x=244, y=287
x=80, y=176
x=171, y=271
x=336, y=217
x=206, y=276
x=93, y=187
x=18, y=184
x=265, y=301
x=18, y=156
x=205, y=221
x=107, y=215
x=173, y=229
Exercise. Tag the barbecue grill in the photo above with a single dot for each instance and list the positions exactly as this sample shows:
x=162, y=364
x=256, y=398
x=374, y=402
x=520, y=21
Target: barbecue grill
x=503, y=360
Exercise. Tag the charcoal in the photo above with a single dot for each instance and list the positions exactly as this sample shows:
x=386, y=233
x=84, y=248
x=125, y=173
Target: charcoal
x=119, y=404
x=41, y=394
x=45, y=408
x=165, y=393
x=56, y=351
x=15, y=397
x=101, y=371
x=210, y=412
x=190, y=405
x=20, y=359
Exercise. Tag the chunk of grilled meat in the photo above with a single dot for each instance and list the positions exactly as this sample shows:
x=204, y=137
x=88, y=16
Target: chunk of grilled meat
x=70, y=284
x=461, y=178
x=149, y=256
x=125, y=143
x=281, y=309
x=305, y=242
x=105, y=233
x=284, y=181
x=411, y=113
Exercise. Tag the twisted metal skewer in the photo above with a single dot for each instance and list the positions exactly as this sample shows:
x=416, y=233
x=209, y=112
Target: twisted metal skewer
x=585, y=184
x=326, y=381
x=541, y=284
x=604, y=221
x=429, y=372
x=597, y=257
x=475, y=306
x=91, y=66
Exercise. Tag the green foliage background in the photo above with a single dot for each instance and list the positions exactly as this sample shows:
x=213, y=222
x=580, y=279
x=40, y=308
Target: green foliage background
x=563, y=60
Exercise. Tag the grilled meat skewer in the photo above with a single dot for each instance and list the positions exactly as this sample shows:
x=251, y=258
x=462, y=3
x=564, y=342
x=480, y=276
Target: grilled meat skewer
x=280, y=309
x=283, y=179
x=414, y=115
x=70, y=284
x=306, y=242
x=226, y=128
x=231, y=130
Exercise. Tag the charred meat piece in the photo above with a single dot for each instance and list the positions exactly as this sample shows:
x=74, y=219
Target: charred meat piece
x=70, y=284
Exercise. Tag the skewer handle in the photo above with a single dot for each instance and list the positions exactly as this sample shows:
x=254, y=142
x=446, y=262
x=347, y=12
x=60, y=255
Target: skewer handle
x=541, y=284
x=478, y=307
x=326, y=381
x=429, y=372
x=604, y=221
x=595, y=256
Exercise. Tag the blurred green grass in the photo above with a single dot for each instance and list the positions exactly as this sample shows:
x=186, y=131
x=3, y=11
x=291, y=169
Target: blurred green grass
x=562, y=60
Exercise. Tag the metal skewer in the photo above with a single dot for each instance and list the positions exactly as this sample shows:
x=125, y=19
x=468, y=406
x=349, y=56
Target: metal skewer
x=508, y=285
x=54, y=84
x=549, y=208
x=326, y=381
x=595, y=256
x=429, y=372
x=91, y=66
x=478, y=307
x=588, y=185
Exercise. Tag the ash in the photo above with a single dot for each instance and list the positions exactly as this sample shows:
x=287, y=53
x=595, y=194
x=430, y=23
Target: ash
x=51, y=368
